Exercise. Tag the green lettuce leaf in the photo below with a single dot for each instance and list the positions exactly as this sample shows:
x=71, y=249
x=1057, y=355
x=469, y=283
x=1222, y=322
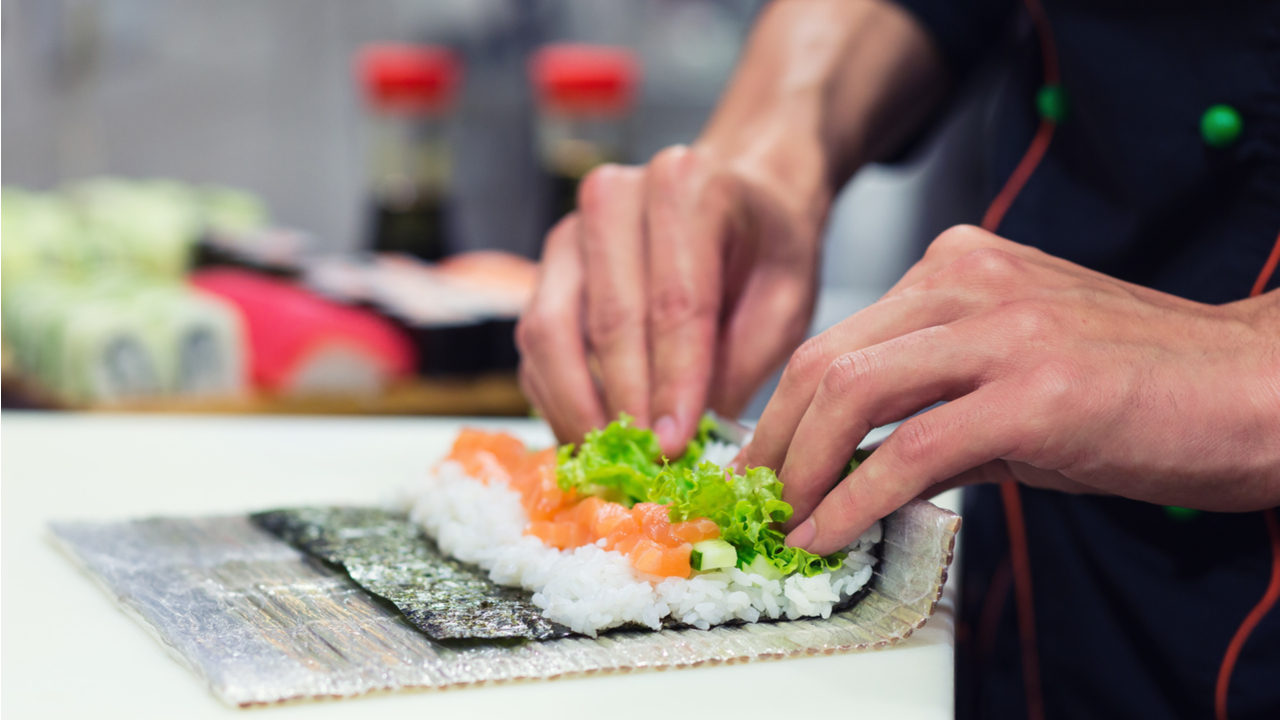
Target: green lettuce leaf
x=623, y=463
x=859, y=456
x=746, y=507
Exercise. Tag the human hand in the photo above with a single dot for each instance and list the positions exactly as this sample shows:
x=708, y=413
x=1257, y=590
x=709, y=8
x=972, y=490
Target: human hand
x=684, y=283
x=1056, y=375
x=678, y=285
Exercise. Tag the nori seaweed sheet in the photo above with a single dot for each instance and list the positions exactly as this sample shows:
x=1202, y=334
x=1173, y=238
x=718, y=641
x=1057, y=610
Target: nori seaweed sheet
x=390, y=557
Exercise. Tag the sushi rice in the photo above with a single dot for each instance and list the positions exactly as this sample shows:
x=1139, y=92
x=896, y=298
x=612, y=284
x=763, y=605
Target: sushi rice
x=590, y=589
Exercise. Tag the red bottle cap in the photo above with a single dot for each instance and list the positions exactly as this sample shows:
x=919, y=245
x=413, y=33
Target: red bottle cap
x=587, y=80
x=409, y=79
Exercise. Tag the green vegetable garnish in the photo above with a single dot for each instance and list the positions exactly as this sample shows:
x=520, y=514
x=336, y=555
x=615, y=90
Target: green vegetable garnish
x=623, y=463
x=713, y=555
x=762, y=567
x=859, y=456
x=746, y=507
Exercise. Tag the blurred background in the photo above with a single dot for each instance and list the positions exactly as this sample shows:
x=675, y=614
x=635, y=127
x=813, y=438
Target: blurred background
x=335, y=207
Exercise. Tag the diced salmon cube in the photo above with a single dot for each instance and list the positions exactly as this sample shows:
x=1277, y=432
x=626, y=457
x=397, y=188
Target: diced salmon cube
x=578, y=536
x=561, y=535
x=543, y=504
x=585, y=511
x=541, y=529
x=484, y=466
x=608, y=517
x=644, y=512
x=627, y=544
x=647, y=556
x=676, y=561
x=653, y=522
x=654, y=559
x=696, y=530
x=624, y=527
x=509, y=451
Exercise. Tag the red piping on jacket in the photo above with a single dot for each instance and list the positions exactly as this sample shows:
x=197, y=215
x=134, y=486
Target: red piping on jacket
x=1018, y=552
x=1009, y=490
x=1273, y=530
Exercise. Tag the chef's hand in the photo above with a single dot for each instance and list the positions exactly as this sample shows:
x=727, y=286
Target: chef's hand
x=1055, y=375
x=684, y=283
x=678, y=285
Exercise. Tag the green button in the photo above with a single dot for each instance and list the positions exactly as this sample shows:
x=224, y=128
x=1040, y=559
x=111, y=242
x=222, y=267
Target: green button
x=1220, y=126
x=1181, y=514
x=1051, y=102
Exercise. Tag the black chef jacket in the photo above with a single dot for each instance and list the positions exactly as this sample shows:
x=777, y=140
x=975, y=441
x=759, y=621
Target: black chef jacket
x=1134, y=606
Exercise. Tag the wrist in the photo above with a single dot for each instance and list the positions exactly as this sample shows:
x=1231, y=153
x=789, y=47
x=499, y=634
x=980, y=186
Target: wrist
x=1262, y=314
x=1257, y=376
x=824, y=86
x=780, y=154
x=772, y=126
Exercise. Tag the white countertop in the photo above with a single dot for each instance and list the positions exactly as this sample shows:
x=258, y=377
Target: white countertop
x=67, y=651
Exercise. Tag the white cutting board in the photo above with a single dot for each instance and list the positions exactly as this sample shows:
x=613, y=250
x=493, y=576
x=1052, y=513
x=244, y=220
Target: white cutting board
x=67, y=651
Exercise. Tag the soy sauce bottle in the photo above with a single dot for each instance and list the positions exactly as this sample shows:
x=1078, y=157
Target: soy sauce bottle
x=584, y=95
x=410, y=92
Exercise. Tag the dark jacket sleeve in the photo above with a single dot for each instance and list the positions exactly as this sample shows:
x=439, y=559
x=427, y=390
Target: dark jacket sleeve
x=964, y=30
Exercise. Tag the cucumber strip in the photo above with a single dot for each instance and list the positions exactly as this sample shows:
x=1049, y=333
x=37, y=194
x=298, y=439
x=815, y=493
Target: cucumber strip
x=762, y=567
x=713, y=555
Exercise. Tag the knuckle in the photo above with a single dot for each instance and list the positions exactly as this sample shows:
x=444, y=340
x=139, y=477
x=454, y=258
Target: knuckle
x=956, y=240
x=536, y=326
x=847, y=374
x=610, y=319
x=594, y=187
x=1030, y=321
x=673, y=173
x=717, y=191
x=1056, y=402
x=600, y=184
x=671, y=161
x=564, y=232
x=992, y=264
x=1055, y=382
x=528, y=332
x=526, y=383
x=675, y=303
x=916, y=441
x=843, y=504
x=808, y=360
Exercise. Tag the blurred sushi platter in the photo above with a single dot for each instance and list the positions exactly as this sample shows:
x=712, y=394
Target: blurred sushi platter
x=161, y=296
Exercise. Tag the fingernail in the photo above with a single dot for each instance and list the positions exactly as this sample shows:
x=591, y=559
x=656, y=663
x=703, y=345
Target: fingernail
x=667, y=432
x=803, y=535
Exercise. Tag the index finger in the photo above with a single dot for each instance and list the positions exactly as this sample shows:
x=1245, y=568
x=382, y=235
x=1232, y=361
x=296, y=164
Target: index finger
x=923, y=451
x=552, y=353
x=889, y=318
x=611, y=204
x=684, y=294
x=865, y=389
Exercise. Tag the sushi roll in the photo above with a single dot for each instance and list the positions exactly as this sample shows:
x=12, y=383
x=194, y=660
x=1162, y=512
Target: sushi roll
x=610, y=534
x=303, y=344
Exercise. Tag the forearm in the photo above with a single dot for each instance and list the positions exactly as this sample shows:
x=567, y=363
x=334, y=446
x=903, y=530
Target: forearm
x=825, y=86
